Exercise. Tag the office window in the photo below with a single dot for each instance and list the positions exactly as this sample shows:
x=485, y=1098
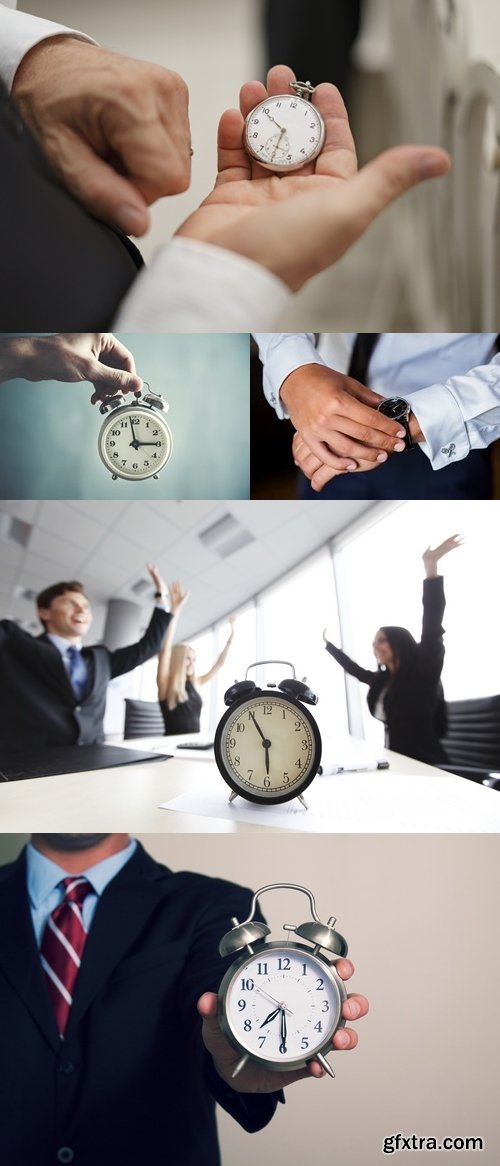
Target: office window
x=380, y=575
x=292, y=615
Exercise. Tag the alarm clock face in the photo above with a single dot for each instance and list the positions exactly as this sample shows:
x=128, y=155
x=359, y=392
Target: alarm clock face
x=281, y=1005
x=135, y=443
x=284, y=132
x=268, y=748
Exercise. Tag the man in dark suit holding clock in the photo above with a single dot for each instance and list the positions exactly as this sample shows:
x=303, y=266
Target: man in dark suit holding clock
x=53, y=690
x=116, y=1068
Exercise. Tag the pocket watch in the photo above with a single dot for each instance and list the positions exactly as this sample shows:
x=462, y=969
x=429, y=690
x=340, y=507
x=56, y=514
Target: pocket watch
x=280, y=1002
x=267, y=745
x=285, y=132
x=135, y=441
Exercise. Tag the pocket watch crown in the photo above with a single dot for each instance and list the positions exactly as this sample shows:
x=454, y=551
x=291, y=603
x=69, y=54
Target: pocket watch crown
x=242, y=936
x=324, y=935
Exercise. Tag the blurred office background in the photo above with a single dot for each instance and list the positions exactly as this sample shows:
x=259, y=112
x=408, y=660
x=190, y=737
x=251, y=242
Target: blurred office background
x=284, y=569
x=419, y=70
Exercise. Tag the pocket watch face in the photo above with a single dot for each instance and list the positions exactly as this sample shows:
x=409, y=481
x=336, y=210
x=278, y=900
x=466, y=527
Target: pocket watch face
x=281, y=1005
x=135, y=443
x=284, y=132
x=268, y=748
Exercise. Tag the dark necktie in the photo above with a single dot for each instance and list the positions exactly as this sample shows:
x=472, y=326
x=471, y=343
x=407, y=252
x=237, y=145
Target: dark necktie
x=76, y=671
x=364, y=346
x=62, y=946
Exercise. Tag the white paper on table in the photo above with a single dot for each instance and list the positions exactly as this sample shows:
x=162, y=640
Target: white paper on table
x=379, y=802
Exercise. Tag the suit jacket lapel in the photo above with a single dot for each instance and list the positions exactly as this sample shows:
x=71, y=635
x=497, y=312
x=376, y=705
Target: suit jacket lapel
x=20, y=958
x=59, y=675
x=121, y=914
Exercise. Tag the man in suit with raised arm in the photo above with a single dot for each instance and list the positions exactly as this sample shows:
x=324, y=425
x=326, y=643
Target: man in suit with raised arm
x=53, y=690
x=119, y=1061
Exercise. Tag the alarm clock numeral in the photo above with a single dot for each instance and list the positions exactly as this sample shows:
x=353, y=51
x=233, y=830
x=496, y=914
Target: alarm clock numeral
x=247, y=985
x=262, y=969
x=284, y=963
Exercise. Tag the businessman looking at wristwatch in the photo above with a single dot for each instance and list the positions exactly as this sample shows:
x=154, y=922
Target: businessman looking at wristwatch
x=359, y=401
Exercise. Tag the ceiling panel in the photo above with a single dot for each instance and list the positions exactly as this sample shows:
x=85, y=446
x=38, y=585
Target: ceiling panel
x=106, y=544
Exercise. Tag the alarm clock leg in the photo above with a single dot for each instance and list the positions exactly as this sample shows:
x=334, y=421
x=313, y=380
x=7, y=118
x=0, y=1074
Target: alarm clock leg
x=324, y=1064
x=303, y=802
x=241, y=1065
x=232, y=796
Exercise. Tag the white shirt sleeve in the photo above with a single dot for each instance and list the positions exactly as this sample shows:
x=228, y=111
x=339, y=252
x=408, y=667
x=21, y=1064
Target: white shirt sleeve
x=281, y=353
x=195, y=287
x=461, y=415
x=19, y=32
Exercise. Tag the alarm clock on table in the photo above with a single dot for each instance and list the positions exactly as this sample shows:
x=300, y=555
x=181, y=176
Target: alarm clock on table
x=267, y=745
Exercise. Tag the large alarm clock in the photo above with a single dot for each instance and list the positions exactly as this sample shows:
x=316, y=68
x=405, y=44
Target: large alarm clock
x=280, y=1003
x=135, y=441
x=267, y=744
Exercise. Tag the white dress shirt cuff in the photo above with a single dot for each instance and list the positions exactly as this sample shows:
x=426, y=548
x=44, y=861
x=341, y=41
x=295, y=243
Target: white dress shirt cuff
x=191, y=286
x=443, y=424
x=19, y=32
x=283, y=358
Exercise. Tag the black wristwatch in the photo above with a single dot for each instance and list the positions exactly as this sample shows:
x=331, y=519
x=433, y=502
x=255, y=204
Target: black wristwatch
x=398, y=410
x=160, y=594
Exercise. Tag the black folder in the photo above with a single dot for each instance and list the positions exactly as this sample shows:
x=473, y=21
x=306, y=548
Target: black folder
x=16, y=764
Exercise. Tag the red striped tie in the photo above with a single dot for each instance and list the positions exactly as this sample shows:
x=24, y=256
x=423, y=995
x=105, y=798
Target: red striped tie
x=62, y=946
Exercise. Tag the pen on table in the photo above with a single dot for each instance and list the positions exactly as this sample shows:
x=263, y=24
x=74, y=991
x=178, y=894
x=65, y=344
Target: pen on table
x=332, y=769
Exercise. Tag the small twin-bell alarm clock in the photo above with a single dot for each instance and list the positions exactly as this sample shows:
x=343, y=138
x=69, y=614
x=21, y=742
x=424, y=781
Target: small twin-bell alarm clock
x=267, y=745
x=280, y=1003
x=135, y=441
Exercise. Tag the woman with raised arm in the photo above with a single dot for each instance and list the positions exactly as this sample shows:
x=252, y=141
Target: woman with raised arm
x=406, y=691
x=178, y=685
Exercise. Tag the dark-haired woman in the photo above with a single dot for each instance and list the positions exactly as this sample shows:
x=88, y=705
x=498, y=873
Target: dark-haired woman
x=406, y=691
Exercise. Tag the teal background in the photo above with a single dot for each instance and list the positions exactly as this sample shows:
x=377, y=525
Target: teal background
x=49, y=429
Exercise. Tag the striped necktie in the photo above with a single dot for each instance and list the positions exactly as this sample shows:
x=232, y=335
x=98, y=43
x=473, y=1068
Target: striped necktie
x=62, y=946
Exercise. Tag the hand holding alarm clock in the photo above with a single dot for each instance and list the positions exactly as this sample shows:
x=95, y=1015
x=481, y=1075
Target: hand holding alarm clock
x=282, y=1006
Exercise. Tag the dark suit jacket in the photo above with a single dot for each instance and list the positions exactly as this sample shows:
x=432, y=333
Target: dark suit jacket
x=414, y=702
x=62, y=270
x=131, y=1084
x=37, y=703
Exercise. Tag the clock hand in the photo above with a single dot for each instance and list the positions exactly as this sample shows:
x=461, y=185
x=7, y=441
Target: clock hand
x=259, y=730
x=282, y=128
x=273, y=998
x=272, y=1016
x=277, y=146
x=283, y=1031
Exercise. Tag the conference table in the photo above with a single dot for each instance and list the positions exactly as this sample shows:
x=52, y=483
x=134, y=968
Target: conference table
x=185, y=793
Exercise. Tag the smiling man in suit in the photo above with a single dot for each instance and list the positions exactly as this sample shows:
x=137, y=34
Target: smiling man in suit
x=53, y=690
x=116, y=1058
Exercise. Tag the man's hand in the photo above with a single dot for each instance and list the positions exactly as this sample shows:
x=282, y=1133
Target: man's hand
x=114, y=130
x=296, y=225
x=337, y=418
x=257, y=1079
x=97, y=357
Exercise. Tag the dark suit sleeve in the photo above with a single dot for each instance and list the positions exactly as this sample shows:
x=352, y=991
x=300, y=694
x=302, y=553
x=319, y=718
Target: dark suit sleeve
x=431, y=644
x=204, y=973
x=6, y=629
x=126, y=659
x=350, y=666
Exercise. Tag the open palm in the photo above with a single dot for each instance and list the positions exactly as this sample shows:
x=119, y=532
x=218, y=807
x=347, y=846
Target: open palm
x=297, y=224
